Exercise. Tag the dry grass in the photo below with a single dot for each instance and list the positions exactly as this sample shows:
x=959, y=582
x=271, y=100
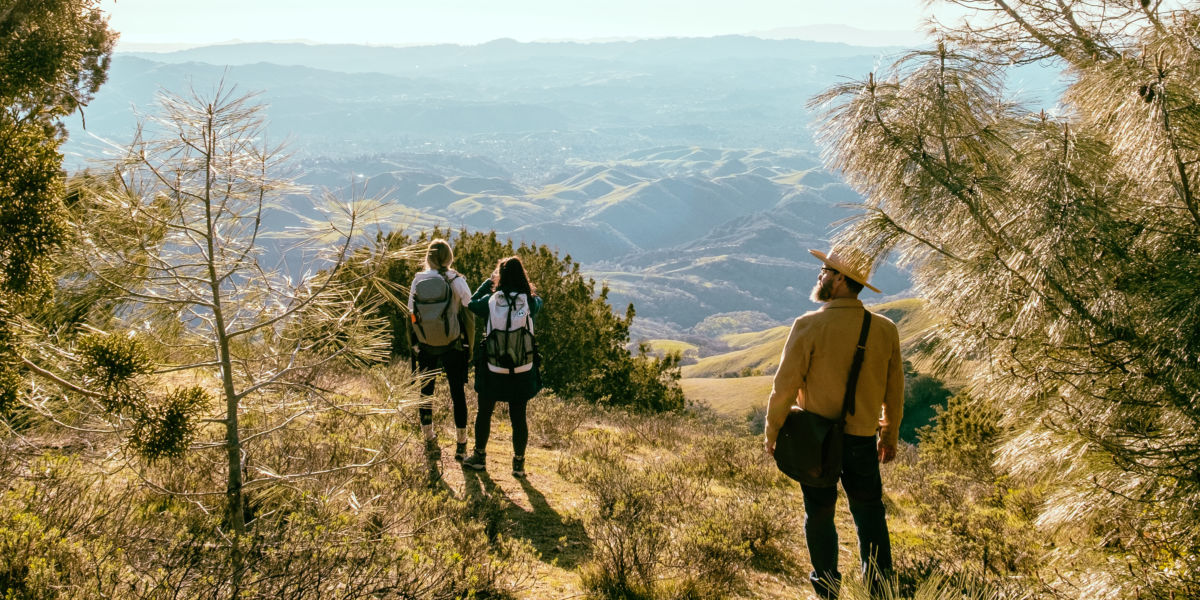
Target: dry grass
x=542, y=509
x=732, y=397
x=719, y=491
x=549, y=510
x=662, y=347
x=757, y=352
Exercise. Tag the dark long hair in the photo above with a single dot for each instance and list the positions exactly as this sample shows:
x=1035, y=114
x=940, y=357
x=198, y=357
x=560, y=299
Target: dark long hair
x=510, y=276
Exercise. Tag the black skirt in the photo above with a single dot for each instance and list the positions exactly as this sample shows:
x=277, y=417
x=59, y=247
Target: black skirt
x=505, y=387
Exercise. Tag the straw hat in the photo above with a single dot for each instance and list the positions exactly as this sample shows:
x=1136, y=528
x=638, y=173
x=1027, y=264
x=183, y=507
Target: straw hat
x=848, y=262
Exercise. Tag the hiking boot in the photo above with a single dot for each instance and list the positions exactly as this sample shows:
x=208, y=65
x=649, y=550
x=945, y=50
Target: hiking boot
x=477, y=461
x=432, y=451
x=460, y=451
x=518, y=466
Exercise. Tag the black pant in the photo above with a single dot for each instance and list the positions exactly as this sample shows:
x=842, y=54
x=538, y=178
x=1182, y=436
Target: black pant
x=516, y=413
x=864, y=490
x=454, y=364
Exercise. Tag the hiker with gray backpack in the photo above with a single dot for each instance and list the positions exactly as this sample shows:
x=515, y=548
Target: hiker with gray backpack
x=441, y=338
x=507, y=365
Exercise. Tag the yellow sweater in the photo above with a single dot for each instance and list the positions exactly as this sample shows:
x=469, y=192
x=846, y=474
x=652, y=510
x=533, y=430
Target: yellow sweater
x=816, y=362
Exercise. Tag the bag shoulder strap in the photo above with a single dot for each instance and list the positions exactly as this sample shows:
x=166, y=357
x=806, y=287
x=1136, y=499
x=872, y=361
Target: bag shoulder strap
x=856, y=366
x=450, y=299
x=450, y=291
x=511, y=299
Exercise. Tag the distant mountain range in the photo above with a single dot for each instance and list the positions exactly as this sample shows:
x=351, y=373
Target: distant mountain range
x=682, y=232
x=530, y=107
x=476, y=62
x=680, y=171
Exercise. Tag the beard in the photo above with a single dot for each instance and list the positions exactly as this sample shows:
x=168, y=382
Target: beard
x=823, y=291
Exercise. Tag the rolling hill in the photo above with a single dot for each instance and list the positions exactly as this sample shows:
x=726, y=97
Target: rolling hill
x=682, y=232
x=716, y=382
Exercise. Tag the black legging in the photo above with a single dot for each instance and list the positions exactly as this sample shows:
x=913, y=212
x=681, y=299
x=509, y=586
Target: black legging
x=483, y=423
x=454, y=364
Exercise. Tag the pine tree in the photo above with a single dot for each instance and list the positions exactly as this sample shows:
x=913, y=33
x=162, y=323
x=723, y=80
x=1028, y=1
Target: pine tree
x=178, y=238
x=1060, y=251
x=54, y=55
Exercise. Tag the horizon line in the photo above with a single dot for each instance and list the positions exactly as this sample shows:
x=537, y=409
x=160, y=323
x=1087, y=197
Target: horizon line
x=774, y=34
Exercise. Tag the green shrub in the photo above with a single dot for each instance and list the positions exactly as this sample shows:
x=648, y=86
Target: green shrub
x=964, y=436
x=166, y=428
x=771, y=527
x=716, y=554
x=52, y=545
x=976, y=525
x=111, y=360
x=661, y=525
x=626, y=518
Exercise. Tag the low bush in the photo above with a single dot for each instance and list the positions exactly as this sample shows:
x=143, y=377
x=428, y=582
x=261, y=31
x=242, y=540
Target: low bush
x=552, y=422
x=332, y=533
x=977, y=525
x=689, y=525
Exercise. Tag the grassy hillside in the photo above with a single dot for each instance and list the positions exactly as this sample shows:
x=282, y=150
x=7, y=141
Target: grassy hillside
x=735, y=382
x=757, y=353
x=694, y=491
x=729, y=396
x=909, y=319
x=689, y=352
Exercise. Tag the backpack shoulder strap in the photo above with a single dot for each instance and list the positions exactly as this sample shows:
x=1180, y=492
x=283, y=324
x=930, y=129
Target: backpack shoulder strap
x=856, y=366
x=529, y=313
x=512, y=300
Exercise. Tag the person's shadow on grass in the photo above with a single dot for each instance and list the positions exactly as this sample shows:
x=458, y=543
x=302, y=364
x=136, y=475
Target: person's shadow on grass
x=487, y=503
x=559, y=540
x=434, y=480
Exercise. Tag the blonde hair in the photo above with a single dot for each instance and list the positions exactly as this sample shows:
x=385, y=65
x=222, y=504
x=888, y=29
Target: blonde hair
x=439, y=256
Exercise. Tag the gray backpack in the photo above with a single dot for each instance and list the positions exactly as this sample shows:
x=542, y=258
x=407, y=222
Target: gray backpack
x=435, y=310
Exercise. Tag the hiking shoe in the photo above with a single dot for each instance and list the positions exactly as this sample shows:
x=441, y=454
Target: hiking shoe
x=432, y=451
x=477, y=461
x=518, y=466
x=460, y=451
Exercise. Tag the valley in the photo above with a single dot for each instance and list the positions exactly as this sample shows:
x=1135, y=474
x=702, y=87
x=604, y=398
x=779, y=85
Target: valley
x=680, y=173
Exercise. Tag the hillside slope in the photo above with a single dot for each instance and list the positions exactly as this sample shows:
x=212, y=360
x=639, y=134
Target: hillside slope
x=718, y=472
x=693, y=492
x=758, y=352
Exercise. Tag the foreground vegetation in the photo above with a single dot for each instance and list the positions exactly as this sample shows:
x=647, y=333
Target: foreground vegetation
x=617, y=505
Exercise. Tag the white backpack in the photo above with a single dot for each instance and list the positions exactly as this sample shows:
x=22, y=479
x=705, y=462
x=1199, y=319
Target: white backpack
x=508, y=339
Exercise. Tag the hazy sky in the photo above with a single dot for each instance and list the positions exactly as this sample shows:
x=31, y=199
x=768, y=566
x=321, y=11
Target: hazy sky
x=400, y=22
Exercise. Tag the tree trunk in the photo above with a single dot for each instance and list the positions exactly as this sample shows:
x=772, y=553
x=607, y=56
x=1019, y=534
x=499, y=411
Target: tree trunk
x=234, y=500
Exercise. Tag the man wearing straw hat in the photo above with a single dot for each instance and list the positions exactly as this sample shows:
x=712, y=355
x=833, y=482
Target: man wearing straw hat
x=813, y=374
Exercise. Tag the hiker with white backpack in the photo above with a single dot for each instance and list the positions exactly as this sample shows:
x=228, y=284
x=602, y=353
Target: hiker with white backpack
x=441, y=338
x=507, y=363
